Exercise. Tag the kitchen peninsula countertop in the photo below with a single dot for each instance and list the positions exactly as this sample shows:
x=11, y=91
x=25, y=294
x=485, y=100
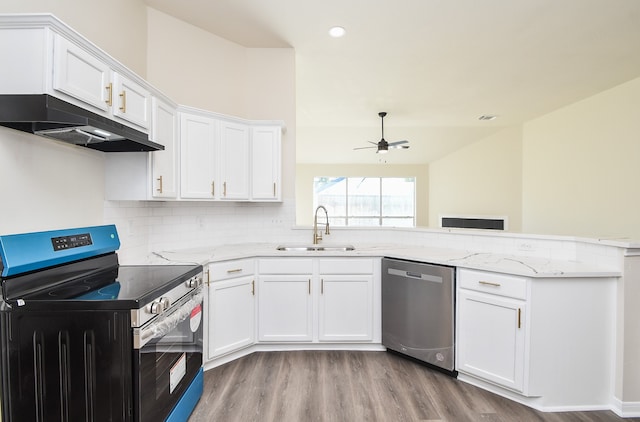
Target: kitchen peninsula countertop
x=534, y=267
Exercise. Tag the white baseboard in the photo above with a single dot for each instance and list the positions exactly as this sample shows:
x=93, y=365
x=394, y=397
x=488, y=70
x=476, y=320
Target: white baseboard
x=625, y=409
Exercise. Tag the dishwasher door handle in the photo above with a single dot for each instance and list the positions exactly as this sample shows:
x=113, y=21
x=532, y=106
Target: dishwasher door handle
x=417, y=276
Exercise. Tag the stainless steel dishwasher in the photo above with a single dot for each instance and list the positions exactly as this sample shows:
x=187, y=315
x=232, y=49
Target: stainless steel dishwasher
x=418, y=311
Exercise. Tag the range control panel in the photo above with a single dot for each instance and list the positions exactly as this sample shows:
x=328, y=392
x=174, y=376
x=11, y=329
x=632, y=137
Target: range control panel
x=67, y=242
x=25, y=252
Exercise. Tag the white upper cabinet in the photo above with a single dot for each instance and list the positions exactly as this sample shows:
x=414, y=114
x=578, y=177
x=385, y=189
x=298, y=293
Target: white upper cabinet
x=265, y=163
x=198, y=157
x=164, y=164
x=81, y=75
x=43, y=56
x=130, y=102
x=228, y=159
x=234, y=160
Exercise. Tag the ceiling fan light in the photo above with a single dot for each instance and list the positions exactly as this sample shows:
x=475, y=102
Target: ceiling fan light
x=337, y=31
x=382, y=151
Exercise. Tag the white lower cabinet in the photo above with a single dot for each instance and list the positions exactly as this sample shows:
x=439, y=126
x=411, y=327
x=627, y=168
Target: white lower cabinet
x=286, y=308
x=316, y=300
x=231, y=305
x=346, y=299
x=492, y=327
x=491, y=341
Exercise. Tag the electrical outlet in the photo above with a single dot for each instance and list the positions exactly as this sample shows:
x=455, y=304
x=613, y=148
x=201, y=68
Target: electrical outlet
x=525, y=246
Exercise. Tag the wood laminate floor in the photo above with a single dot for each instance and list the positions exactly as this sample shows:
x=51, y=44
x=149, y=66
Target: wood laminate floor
x=352, y=386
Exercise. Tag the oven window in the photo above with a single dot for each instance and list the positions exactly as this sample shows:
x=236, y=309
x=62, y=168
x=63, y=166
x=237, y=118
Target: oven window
x=167, y=365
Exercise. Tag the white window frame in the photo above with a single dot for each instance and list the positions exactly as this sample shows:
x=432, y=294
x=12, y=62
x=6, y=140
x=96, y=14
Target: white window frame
x=380, y=217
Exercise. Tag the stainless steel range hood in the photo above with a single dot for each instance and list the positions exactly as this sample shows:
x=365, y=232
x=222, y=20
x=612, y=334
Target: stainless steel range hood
x=54, y=118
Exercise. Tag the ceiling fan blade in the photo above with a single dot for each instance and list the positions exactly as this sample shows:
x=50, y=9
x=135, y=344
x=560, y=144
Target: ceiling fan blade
x=366, y=147
x=396, y=143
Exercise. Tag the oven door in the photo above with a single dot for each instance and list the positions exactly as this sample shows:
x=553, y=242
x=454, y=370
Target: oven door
x=166, y=358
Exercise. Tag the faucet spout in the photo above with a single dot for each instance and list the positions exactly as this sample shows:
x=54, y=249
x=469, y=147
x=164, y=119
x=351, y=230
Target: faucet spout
x=317, y=236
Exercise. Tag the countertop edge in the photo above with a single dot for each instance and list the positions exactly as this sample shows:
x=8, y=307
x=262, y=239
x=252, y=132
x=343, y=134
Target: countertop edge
x=532, y=267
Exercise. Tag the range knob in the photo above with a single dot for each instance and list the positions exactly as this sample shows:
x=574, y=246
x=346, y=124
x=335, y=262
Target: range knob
x=193, y=282
x=156, y=308
x=165, y=302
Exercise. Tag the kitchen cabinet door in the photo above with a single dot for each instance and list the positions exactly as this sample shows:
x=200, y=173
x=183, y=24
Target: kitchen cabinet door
x=346, y=308
x=131, y=101
x=265, y=163
x=285, y=308
x=234, y=160
x=231, y=315
x=491, y=338
x=82, y=76
x=198, y=157
x=164, y=164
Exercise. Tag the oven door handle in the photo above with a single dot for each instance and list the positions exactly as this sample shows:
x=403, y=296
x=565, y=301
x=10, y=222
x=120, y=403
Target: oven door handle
x=166, y=322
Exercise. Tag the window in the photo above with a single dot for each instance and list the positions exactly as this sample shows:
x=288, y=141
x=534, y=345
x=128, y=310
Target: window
x=367, y=201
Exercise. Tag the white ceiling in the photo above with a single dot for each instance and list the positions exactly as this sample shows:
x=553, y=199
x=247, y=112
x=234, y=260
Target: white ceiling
x=434, y=65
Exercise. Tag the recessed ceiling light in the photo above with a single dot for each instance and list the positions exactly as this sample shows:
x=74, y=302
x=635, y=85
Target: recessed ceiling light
x=337, y=31
x=487, y=117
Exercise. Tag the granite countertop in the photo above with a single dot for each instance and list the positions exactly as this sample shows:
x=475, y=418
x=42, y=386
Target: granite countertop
x=534, y=267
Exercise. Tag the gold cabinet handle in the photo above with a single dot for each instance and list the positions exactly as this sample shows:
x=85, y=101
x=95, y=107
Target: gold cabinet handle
x=253, y=287
x=236, y=270
x=274, y=189
x=123, y=102
x=309, y=286
x=159, y=184
x=224, y=189
x=322, y=286
x=489, y=283
x=208, y=278
x=109, y=99
x=213, y=188
x=519, y=317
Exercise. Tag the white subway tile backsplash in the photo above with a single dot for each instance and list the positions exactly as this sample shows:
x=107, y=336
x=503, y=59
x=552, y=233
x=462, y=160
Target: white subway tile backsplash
x=145, y=227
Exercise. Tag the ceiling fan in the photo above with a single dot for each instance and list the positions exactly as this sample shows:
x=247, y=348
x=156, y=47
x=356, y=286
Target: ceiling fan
x=382, y=145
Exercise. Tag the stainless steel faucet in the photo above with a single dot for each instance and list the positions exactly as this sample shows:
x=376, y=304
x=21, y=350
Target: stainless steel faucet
x=317, y=237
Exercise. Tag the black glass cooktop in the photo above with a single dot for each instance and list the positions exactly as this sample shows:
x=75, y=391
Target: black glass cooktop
x=96, y=285
x=141, y=282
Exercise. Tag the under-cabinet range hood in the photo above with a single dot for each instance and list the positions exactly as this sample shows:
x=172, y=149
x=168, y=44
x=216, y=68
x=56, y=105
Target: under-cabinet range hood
x=49, y=116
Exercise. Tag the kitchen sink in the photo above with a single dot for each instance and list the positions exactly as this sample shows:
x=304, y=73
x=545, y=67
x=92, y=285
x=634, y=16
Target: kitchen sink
x=311, y=248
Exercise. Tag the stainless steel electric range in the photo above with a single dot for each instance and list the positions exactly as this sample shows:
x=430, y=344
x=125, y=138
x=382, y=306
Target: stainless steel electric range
x=86, y=339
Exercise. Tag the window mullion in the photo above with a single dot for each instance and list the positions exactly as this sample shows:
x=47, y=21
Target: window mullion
x=346, y=203
x=380, y=201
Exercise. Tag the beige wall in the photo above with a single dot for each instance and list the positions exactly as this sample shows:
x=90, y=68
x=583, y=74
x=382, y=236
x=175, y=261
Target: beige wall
x=306, y=172
x=118, y=27
x=581, y=167
x=195, y=67
x=482, y=179
x=573, y=171
x=202, y=70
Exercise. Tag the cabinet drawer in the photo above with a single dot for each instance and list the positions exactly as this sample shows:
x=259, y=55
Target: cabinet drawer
x=285, y=266
x=498, y=284
x=346, y=266
x=231, y=269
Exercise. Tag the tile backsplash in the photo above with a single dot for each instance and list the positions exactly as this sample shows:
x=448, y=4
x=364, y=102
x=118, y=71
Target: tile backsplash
x=154, y=226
